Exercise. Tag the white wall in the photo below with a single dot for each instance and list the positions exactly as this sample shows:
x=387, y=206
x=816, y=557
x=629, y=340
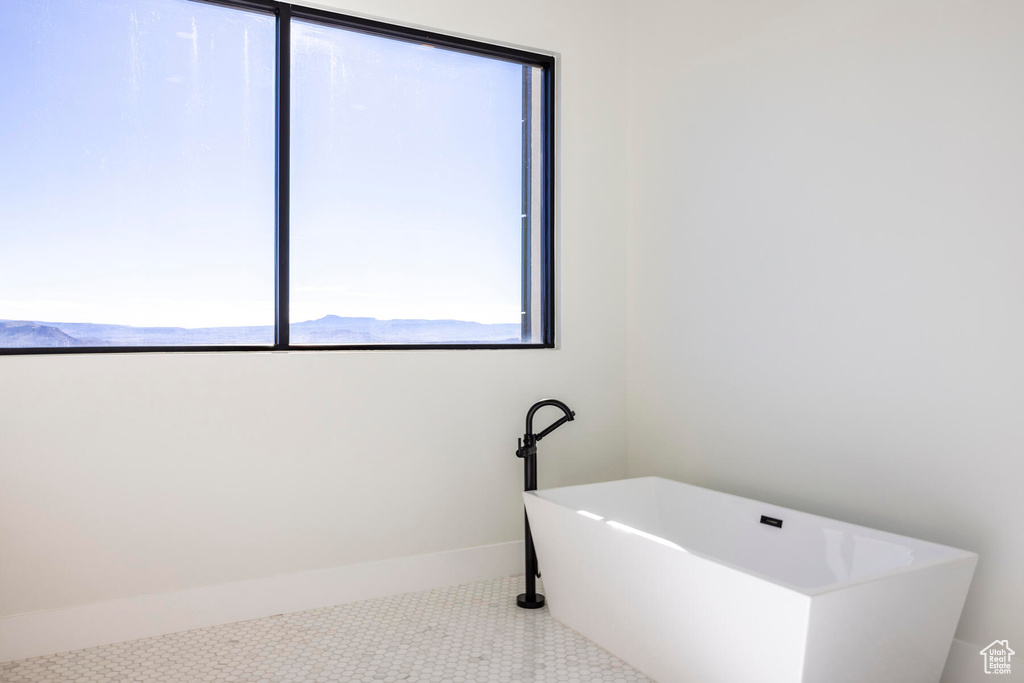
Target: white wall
x=131, y=475
x=826, y=258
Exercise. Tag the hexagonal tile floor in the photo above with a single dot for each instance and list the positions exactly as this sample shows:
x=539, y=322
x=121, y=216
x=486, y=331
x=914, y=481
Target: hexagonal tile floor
x=460, y=634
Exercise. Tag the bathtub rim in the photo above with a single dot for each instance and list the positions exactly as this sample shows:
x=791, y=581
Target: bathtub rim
x=954, y=554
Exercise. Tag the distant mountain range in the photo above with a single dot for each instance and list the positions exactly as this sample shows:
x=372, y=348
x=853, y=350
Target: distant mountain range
x=331, y=329
x=19, y=334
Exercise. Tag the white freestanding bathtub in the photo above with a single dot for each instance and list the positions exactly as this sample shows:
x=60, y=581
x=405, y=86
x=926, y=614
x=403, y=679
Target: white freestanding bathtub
x=690, y=585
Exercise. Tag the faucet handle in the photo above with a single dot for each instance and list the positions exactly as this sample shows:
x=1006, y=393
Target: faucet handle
x=525, y=451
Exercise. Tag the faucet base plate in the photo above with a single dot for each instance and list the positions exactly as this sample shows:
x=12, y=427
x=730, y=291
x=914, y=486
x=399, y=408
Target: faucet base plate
x=536, y=603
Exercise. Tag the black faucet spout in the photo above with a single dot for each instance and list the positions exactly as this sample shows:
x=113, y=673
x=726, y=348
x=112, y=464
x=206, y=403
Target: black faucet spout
x=568, y=417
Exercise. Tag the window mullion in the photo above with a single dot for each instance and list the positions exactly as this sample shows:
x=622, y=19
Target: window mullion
x=282, y=175
x=527, y=204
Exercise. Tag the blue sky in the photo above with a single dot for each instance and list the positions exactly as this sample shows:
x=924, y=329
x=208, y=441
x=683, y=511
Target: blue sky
x=136, y=181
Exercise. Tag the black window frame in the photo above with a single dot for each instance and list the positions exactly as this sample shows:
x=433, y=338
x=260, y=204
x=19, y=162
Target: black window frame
x=284, y=13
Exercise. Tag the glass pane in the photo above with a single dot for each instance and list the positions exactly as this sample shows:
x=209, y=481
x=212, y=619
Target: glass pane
x=410, y=193
x=137, y=174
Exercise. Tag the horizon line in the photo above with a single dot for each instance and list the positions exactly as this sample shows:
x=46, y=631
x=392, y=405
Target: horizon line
x=270, y=325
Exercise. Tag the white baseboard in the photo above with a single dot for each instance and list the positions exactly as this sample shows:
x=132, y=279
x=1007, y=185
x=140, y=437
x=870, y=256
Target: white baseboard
x=75, y=628
x=964, y=664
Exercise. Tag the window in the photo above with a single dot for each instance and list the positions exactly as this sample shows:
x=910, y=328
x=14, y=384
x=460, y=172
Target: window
x=187, y=175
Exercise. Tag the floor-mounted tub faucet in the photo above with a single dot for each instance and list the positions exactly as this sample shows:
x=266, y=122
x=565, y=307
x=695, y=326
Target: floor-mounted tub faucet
x=527, y=450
